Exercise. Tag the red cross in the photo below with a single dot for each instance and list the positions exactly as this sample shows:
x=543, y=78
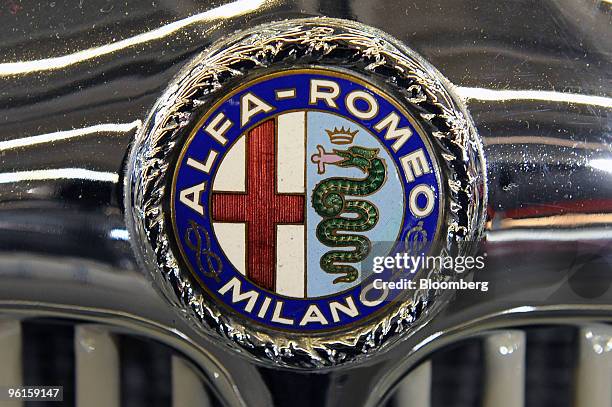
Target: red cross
x=261, y=208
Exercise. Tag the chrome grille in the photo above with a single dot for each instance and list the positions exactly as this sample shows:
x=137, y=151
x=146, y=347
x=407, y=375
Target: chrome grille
x=97, y=367
x=535, y=367
x=543, y=366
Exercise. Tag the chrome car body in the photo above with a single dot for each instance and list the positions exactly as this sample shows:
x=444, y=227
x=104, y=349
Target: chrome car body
x=77, y=81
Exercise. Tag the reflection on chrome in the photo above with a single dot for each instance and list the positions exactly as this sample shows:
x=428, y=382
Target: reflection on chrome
x=548, y=141
x=601, y=164
x=69, y=134
x=58, y=173
x=119, y=234
x=428, y=340
x=601, y=339
x=225, y=11
x=568, y=219
x=540, y=95
x=520, y=310
x=552, y=235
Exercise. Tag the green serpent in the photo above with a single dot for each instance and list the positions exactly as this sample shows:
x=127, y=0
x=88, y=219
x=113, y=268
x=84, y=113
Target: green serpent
x=329, y=201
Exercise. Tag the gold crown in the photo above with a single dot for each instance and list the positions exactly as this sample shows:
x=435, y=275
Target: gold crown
x=341, y=136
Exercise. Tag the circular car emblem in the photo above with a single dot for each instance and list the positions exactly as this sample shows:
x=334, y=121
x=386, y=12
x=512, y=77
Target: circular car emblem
x=283, y=186
x=279, y=165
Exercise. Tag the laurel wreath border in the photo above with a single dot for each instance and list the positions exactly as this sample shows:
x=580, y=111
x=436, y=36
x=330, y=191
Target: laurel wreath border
x=316, y=41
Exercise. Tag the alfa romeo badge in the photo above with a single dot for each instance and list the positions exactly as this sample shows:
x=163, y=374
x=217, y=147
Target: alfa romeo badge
x=274, y=169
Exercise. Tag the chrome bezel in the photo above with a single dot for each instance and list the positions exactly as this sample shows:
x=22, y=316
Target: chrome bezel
x=313, y=42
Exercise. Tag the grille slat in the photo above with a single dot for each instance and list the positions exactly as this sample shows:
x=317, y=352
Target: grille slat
x=188, y=389
x=97, y=367
x=10, y=357
x=594, y=367
x=504, y=360
x=415, y=389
